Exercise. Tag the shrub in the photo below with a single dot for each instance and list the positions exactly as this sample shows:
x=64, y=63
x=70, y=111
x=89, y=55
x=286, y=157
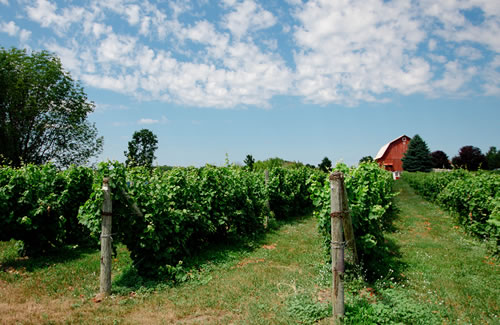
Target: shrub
x=39, y=205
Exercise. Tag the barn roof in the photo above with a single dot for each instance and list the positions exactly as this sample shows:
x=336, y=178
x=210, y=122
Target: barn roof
x=384, y=148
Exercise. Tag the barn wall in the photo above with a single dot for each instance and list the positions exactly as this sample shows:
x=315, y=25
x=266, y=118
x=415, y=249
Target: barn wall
x=394, y=154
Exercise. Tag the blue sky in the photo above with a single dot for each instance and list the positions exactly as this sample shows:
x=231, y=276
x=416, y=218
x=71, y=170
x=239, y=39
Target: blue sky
x=300, y=80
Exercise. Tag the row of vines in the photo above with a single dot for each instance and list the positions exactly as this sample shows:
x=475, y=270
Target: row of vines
x=473, y=197
x=370, y=197
x=164, y=216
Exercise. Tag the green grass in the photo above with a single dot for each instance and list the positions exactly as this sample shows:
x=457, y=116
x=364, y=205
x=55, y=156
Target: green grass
x=432, y=274
x=445, y=267
x=274, y=279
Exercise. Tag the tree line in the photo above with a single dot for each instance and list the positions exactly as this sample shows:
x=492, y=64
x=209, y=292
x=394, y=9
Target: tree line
x=419, y=158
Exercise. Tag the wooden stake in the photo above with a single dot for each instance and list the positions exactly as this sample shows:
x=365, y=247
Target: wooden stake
x=337, y=213
x=266, y=222
x=105, y=278
x=266, y=175
x=347, y=223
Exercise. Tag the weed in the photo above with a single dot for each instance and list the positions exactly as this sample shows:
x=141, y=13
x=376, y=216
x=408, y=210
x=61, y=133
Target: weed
x=305, y=310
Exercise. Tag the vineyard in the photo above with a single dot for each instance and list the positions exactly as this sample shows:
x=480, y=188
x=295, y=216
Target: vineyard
x=162, y=216
x=473, y=197
x=166, y=222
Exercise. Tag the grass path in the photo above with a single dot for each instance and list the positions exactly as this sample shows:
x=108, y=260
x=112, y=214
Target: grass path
x=272, y=281
x=443, y=265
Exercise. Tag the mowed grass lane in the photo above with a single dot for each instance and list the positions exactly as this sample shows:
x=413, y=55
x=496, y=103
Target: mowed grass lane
x=444, y=265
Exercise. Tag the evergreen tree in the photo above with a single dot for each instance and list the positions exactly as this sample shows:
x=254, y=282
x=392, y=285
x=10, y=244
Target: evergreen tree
x=493, y=158
x=417, y=158
x=249, y=161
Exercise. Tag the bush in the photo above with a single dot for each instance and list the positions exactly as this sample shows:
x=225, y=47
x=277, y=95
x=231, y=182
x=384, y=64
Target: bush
x=369, y=191
x=474, y=197
x=184, y=209
x=39, y=205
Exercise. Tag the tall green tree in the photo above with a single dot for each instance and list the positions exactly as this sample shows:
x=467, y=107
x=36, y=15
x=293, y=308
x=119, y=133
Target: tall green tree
x=141, y=149
x=440, y=160
x=249, y=161
x=493, y=158
x=417, y=158
x=325, y=165
x=43, y=112
x=470, y=158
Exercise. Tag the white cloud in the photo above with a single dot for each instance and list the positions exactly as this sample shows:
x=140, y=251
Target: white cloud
x=344, y=52
x=13, y=30
x=45, y=13
x=150, y=121
x=432, y=44
x=358, y=50
x=10, y=28
x=4, y=2
x=454, y=77
x=457, y=28
x=248, y=15
x=147, y=121
x=117, y=48
x=469, y=53
x=24, y=35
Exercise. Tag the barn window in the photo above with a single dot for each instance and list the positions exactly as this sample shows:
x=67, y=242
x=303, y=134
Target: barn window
x=404, y=139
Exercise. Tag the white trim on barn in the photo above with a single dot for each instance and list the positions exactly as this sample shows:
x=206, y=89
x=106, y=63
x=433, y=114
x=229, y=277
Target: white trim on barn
x=384, y=148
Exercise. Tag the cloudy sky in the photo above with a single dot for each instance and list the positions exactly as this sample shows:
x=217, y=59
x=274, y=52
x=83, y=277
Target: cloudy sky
x=300, y=80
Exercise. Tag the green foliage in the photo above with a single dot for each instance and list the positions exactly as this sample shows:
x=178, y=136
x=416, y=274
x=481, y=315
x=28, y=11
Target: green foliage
x=288, y=191
x=249, y=161
x=325, y=165
x=440, y=160
x=302, y=308
x=473, y=196
x=493, y=158
x=141, y=149
x=184, y=209
x=369, y=191
x=268, y=164
x=390, y=306
x=417, y=158
x=366, y=159
x=470, y=158
x=39, y=205
x=43, y=112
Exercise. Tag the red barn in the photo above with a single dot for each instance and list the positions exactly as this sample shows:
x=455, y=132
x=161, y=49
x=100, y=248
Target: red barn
x=389, y=156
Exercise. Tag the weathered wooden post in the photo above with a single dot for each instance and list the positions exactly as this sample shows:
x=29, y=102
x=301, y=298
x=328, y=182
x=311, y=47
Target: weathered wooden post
x=266, y=177
x=336, y=215
x=105, y=279
x=347, y=223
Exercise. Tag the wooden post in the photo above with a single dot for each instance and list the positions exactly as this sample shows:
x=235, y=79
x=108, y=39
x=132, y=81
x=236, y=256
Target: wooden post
x=266, y=222
x=347, y=223
x=105, y=279
x=336, y=215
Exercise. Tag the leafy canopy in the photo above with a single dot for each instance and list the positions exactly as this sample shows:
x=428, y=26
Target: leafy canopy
x=417, y=158
x=366, y=159
x=249, y=161
x=141, y=149
x=470, y=158
x=440, y=160
x=325, y=165
x=43, y=112
x=493, y=158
